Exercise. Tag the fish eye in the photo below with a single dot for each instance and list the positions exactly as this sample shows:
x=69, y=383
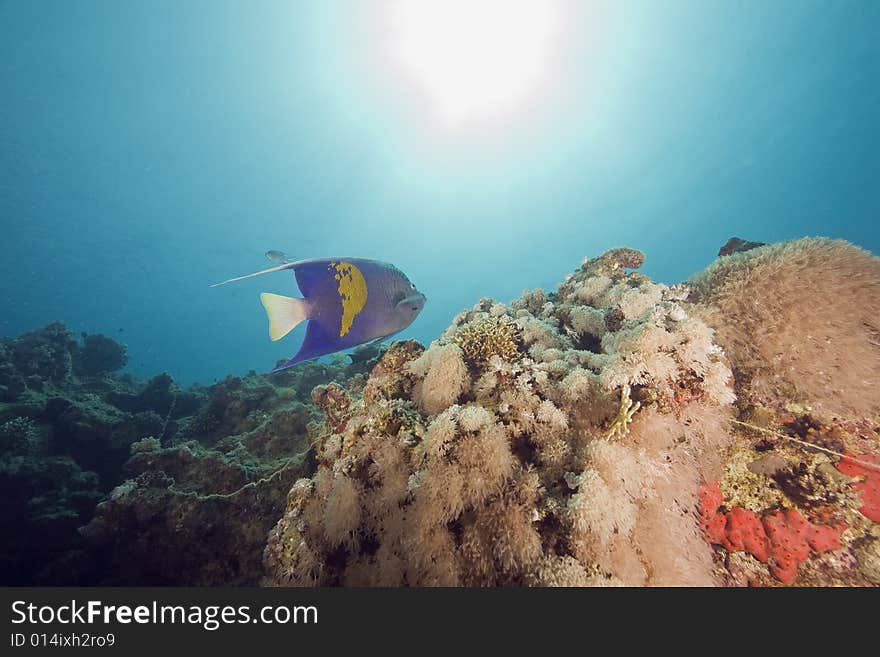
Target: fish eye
x=412, y=286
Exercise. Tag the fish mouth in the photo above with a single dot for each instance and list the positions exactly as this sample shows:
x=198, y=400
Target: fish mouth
x=413, y=302
x=416, y=300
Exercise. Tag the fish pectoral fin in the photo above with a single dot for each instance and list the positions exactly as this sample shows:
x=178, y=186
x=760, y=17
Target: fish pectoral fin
x=284, y=313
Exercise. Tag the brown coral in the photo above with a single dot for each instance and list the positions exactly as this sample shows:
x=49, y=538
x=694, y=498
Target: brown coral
x=334, y=402
x=800, y=320
x=620, y=258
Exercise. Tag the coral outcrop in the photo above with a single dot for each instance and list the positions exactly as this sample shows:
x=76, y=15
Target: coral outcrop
x=45, y=498
x=62, y=443
x=798, y=321
x=99, y=354
x=194, y=515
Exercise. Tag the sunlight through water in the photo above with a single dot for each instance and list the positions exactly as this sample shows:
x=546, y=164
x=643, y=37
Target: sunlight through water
x=474, y=60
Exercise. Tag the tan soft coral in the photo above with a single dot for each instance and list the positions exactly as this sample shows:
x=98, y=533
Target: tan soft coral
x=443, y=377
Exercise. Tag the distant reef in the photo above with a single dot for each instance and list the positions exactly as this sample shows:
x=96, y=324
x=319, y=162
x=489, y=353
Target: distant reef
x=108, y=479
x=724, y=431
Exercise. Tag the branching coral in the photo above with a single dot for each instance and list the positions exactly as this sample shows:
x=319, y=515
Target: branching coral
x=625, y=413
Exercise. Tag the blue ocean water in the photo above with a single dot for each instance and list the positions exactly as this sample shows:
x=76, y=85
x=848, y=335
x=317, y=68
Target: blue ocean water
x=148, y=150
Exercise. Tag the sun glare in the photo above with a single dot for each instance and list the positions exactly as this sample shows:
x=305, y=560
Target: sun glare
x=474, y=59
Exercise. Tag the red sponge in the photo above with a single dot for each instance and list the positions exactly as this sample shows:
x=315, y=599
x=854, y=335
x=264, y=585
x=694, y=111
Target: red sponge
x=744, y=532
x=784, y=538
x=869, y=489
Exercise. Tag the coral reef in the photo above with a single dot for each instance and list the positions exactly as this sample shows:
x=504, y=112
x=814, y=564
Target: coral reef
x=195, y=515
x=118, y=481
x=198, y=501
x=798, y=322
x=45, y=498
x=615, y=431
x=61, y=442
x=568, y=438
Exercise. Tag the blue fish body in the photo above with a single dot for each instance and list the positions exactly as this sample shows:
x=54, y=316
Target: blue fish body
x=346, y=301
x=341, y=318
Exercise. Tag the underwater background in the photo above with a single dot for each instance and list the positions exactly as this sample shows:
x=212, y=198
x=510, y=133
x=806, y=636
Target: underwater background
x=562, y=411
x=148, y=150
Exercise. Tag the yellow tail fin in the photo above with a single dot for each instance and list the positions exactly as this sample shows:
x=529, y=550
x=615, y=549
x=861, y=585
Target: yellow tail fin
x=284, y=313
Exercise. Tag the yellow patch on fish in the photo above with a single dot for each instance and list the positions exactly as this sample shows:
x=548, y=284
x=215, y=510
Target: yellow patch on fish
x=353, y=292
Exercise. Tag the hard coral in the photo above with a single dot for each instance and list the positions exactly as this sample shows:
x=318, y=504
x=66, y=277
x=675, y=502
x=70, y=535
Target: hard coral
x=334, y=402
x=485, y=338
x=398, y=355
x=390, y=378
x=623, y=257
x=46, y=352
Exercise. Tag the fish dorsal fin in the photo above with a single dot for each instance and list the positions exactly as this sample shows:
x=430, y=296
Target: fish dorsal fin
x=284, y=313
x=289, y=265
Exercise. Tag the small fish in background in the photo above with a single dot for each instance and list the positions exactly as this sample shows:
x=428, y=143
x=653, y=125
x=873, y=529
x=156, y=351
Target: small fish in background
x=278, y=257
x=347, y=302
x=738, y=245
x=367, y=352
